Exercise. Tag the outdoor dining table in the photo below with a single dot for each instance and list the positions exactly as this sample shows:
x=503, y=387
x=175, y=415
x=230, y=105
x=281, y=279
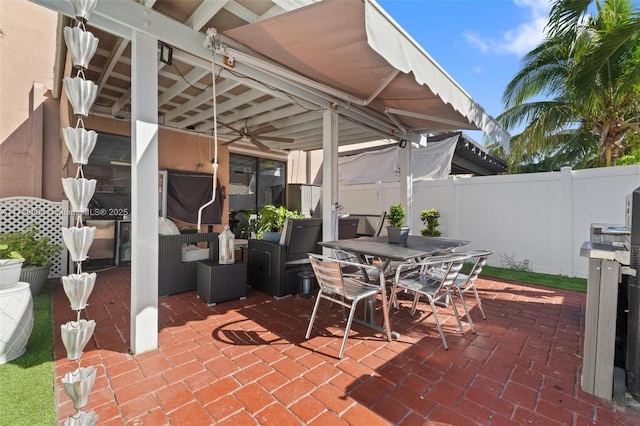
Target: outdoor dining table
x=417, y=247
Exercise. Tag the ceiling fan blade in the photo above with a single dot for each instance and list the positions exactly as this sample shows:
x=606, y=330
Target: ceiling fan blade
x=231, y=128
x=259, y=144
x=232, y=141
x=277, y=139
x=265, y=129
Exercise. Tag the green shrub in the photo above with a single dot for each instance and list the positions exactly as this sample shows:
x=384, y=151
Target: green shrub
x=396, y=215
x=36, y=250
x=272, y=218
x=429, y=219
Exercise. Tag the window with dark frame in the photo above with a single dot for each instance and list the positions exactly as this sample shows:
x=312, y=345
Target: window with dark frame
x=254, y=182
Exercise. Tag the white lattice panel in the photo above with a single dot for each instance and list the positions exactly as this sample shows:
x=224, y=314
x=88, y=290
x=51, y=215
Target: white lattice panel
x=16, y=213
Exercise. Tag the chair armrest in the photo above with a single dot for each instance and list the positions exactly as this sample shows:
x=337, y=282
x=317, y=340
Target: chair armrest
x=265, y=245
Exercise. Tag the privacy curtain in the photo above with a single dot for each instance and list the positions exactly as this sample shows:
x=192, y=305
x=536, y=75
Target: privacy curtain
x=187, y=192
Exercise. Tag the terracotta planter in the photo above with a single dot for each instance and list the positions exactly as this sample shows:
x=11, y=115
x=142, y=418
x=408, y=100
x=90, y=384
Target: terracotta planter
x=36, y=276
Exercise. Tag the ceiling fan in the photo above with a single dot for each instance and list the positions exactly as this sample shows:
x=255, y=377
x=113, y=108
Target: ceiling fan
x=245, y=135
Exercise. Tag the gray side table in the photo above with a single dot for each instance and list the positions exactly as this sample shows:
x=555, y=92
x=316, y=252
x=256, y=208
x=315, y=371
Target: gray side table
x=219, y=283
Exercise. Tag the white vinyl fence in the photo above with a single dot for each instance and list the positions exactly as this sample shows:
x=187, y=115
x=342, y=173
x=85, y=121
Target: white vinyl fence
x=541, y=218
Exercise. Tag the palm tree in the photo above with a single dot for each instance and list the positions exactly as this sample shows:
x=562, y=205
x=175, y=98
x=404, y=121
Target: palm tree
x=577, y=106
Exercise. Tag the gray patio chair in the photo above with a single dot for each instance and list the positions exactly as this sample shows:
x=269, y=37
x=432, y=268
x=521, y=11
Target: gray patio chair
x=464, y=283
x=343, y=289
x=417, y=278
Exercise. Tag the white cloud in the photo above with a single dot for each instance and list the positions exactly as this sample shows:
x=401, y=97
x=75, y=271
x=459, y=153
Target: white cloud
x=519, y=40
x=477, y=40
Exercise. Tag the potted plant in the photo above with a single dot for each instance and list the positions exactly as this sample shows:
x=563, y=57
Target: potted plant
x=271, y=220
x=36, y=250
x=396, y=232
x=430, y=220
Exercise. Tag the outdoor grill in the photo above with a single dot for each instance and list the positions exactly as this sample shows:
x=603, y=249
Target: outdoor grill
x=611, y=364
x=633, y=322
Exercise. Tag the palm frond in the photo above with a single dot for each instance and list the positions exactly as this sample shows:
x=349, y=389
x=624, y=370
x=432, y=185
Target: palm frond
x=565, y=16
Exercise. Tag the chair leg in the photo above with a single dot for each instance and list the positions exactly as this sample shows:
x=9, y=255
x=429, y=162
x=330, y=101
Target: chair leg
x=313, y=314
x=438, y=323
x=466, y=310
x=449, y=299
x=346, y=330
x=415, y=303
x=475, y=291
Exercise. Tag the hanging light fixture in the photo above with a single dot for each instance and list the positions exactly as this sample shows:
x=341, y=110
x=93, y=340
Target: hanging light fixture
x=166, y=53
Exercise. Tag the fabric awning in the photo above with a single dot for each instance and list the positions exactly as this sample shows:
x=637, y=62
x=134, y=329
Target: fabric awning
x=357, y=48
x=383, y=165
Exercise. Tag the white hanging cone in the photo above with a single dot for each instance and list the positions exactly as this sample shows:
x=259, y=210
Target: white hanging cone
x=78, y=288
x=78, y=384
x=82, y=418
x=79, y=192
x=75, y=336
x=81, y=44
x=81, y=93
x=78, y=241
x=83, y=8
x=80, y=143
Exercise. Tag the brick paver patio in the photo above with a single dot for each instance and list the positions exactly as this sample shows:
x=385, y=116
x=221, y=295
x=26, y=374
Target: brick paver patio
x=246, y=362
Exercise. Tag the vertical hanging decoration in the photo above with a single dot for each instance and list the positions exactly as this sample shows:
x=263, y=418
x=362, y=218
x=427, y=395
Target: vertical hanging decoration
x=82, y=45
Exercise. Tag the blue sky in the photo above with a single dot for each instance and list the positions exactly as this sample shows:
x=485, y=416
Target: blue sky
x=478, y=42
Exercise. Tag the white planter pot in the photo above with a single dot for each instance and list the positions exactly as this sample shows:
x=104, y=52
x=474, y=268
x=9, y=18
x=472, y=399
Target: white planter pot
x=10, y=272
x=16, y=321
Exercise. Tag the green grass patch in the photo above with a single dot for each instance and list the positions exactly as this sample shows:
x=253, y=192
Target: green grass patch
x=26, y=384
x=546, y=280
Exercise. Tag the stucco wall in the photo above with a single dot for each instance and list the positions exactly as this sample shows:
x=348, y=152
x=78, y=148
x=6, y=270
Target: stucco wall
x=26, y=59
x=176, y=150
